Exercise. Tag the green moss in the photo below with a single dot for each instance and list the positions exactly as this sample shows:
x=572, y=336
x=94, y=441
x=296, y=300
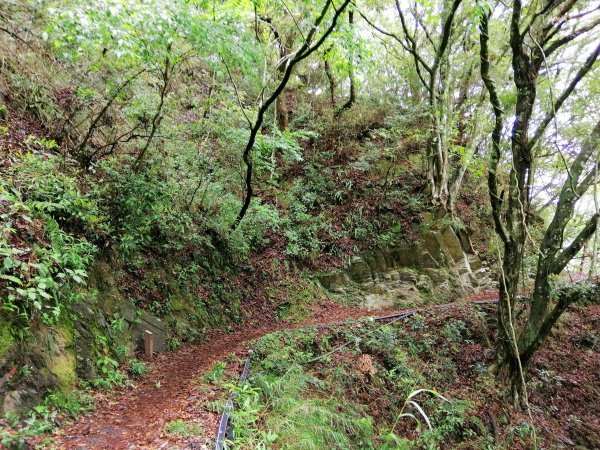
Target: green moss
x=299, y=295
x=64, y=335
x=180, y=302
x=63, y=366
x=6, y=340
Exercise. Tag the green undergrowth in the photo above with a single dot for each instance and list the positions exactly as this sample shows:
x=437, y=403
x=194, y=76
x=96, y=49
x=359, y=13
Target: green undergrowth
x=424, y=382
x=17, y=432
x=46, y=241
x=364, y=386
x=181, y=428
x=165, y=241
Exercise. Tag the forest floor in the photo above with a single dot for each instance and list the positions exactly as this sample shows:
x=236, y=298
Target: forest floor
x=176, y=405
x=174, y=390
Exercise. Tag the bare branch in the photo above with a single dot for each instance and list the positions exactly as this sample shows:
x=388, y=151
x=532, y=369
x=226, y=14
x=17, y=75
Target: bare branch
x=418, y=60
x=555, y=45
x=551, y=4
x=413, y=43
x=294, y=19
x=583, y=70
x=568, y=253
x=237, y=94
x=495, y=155
x=103, y=111
x=444, y=43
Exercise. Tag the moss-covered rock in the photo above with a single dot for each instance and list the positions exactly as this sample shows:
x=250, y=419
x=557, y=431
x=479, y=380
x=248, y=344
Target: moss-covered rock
x=63, y=366
x=6, y=339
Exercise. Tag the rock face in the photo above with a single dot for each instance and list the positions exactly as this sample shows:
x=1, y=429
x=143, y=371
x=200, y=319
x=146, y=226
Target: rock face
x=135, y=321
x=49, y=364
x=153, y=324
x=106, y=325
x=437, y=266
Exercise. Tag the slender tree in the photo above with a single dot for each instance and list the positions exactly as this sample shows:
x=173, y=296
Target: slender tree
x=311, y=43
x=533, y=38
x=445, y=89
x=351, y=78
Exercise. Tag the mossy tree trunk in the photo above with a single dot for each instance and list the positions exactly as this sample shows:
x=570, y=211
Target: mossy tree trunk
x=517, y=347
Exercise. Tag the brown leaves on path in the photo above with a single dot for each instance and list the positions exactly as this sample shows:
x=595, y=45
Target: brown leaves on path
x=134, y=418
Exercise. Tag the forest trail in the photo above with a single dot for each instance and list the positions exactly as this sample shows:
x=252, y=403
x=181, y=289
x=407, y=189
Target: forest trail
x=134, y=418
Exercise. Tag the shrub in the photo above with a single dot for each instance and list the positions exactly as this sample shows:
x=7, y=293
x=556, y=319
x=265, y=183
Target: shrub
x=43, y=246
x=216, y=374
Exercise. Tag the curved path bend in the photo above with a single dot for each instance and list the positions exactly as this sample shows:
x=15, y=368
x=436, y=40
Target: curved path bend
x=135, y=417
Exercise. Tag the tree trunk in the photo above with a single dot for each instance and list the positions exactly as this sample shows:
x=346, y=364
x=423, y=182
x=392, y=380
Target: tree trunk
x=282, y=111
x=514, y=353
x=437, y=167
x=331, y=80
x=509, y=374
x=518, y=208
x=594, y=251
x=507, y=348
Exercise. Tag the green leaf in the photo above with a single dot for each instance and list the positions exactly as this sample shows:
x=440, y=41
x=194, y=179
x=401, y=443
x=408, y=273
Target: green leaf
x=431, y=391
x=12, y=278
x=78, y=279
x=44, y=294
x=9, y=262
x=418, y=408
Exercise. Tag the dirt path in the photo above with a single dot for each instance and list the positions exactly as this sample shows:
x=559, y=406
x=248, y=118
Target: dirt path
x=134, y=418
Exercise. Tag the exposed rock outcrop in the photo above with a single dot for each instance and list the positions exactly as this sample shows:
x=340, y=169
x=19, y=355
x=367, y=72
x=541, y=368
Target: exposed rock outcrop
x=436, y=267
x=105, y=324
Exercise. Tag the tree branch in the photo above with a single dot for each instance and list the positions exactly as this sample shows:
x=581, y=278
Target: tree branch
x=545, y=9
x=555, y=45
x=303, y=52
x=103, y=111
x=416, y=56
x=441, y=50
x=294, y=19
x=237, y=93
x=568, y=253
x=352, y=97
x=583, y=70
x=495, y=199
x=157, y=118
x=413, y=49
